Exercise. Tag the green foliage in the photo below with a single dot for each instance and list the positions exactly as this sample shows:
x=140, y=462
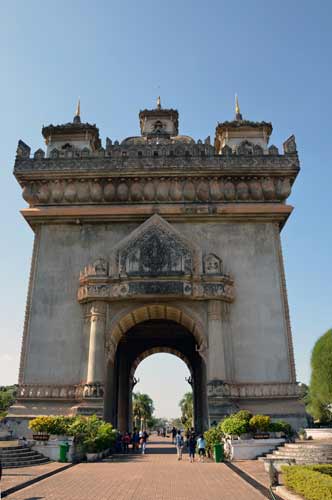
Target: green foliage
x=309, y=481
x=213, y=436
x=244, y=415
x=41, y=424
x=280, y=426
x=143, y=409
x=7, y=397
x=319, y=396
x=260, y=423
x=187, y=410
x=234, y=425
x=93, y=433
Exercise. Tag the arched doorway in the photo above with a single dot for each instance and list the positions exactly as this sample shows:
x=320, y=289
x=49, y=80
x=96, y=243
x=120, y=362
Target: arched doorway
x=143, y=332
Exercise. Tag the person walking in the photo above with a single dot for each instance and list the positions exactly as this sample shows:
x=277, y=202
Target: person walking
x=179, y=444
x=173, y=431
x=201, y=445
x=135, y=440
x=126, y=442
x=143, y=441
x=192, y=447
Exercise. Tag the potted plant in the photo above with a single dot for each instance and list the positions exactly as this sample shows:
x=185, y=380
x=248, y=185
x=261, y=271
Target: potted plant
x=40, y=427
x=260, y=425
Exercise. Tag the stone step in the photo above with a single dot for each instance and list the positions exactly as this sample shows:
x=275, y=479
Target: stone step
x=24, y=463
x=21, y=456
x=306, y=453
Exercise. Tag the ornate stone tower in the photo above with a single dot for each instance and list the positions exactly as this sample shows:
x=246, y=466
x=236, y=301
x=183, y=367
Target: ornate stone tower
x=157, y=244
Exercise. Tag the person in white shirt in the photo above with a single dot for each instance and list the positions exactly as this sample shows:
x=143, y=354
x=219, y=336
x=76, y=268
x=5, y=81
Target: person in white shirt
x=201, y=445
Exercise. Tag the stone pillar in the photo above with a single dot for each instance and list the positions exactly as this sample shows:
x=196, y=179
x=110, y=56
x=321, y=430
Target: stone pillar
x=123, y=395
x=96, y=360
x=216, y=357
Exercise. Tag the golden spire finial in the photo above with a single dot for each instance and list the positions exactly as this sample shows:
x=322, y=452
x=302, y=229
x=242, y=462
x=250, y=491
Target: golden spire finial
x=238, y=115
x=78, y=108
x=158, y=102
x=237, y=107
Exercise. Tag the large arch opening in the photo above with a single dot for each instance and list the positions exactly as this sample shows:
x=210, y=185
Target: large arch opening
x=165, y=375
x=134, y=340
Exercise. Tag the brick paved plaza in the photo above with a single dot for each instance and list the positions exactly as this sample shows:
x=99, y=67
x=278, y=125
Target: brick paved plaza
x=157, y=475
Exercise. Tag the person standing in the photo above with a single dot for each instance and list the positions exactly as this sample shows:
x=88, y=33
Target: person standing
x=179, y=444
x=201, y=445
x=143, y=441
x=192, y=447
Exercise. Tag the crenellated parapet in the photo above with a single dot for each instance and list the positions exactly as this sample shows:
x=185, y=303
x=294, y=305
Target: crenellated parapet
x=245, y=175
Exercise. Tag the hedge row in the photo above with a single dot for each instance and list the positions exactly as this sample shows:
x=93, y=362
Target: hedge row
x=314, y=482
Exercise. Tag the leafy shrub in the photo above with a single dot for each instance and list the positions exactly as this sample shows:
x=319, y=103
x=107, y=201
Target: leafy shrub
x=281, y=426
x=244, y=415
x=58, y=425
x=309, y=481
x=260, y=422
x=41, y=424
x=93, y=433
x=234, y=425
x=213, y=436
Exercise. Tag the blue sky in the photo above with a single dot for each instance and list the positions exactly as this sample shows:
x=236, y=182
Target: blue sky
x=118, y=56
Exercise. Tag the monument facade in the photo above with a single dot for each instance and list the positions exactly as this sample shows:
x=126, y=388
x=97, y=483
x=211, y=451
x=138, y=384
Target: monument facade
x=157, y=243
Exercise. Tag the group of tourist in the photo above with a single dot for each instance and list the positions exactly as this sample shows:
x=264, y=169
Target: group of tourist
x=134, y=441
x=192, y=443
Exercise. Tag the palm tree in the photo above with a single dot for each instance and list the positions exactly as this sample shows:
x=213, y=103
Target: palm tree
x=143, y=409
x=187, y=409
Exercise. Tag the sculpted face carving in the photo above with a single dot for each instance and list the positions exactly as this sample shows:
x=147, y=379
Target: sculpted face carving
x=212, y=264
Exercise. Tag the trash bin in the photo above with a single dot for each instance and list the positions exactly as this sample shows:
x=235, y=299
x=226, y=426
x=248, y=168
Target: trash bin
x=64, y=448
x=218, y=453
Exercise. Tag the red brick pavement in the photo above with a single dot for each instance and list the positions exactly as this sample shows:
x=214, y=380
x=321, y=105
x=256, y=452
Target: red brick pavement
x=18, y=475
x=157, y=475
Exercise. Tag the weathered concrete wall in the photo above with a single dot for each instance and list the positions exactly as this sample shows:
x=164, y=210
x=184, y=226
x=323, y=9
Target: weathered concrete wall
x=57, y=348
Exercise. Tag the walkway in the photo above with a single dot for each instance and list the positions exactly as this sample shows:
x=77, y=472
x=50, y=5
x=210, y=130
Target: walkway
x=156, y=476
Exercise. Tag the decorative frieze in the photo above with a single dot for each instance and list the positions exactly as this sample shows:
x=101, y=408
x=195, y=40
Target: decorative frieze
x=155, y=190
x=237, y=390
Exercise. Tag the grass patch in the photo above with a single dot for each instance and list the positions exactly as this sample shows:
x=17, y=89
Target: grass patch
x=314, y=482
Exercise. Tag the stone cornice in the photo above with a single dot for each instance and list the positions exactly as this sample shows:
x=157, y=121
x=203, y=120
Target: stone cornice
x=245, y=212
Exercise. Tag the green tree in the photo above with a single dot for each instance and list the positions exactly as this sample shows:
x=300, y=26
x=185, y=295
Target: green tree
x=7, y=398
x=143, y=409
x=319, y=397
x=187, y=410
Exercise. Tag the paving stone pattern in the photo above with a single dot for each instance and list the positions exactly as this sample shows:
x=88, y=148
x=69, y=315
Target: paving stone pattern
x=157, y=475
x=18, y=475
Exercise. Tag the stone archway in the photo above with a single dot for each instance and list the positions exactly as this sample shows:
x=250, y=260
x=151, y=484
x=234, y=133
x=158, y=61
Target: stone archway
x=143, y=331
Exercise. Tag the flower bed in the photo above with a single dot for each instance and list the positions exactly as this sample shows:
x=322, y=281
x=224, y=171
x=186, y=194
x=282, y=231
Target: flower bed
x=313, y=482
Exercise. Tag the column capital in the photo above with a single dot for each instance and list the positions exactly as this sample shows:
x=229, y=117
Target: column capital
x=97, y=310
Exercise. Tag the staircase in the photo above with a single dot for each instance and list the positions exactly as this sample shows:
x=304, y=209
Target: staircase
x=20, y=456
x=307, y=452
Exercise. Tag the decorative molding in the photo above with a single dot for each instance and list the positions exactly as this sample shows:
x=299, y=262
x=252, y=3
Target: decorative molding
x=184, y=188
x=26, y=327
x=284, y=298
x=218, y=388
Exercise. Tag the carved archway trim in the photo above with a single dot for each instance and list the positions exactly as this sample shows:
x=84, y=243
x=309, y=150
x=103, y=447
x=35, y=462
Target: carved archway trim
x=157, y=350
x=132, y=316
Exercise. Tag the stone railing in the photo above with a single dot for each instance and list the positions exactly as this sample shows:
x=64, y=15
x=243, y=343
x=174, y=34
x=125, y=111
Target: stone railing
x=282, y=390
x=63, y=392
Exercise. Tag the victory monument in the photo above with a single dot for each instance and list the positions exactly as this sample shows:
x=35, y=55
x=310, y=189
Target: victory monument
x=157, y=243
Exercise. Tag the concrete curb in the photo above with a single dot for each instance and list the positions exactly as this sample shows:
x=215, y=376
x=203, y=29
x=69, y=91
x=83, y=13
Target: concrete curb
x=20, y=486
